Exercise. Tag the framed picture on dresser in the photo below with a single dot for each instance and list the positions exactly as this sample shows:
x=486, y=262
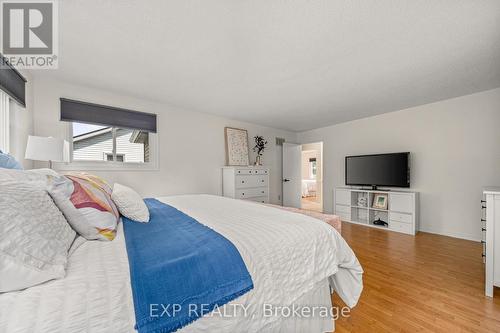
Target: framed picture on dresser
x=236, y=146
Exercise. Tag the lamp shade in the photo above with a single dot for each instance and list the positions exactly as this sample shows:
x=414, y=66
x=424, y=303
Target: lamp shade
x=47, y=149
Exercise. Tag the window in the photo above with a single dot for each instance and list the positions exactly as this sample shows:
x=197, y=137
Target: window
x=312, y=168
x=4, y=122
x=107, y=137
x=109, y=144
x=119, y=157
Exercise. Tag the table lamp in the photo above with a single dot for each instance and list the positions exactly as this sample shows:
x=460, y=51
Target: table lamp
x=47, y=149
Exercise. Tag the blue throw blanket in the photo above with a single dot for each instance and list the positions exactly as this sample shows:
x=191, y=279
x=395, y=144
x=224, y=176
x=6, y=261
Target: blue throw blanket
x=179, y=269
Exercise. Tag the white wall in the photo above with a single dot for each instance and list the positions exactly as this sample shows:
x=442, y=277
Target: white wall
x=191, y=144
x=455, y=147
x=21, y=125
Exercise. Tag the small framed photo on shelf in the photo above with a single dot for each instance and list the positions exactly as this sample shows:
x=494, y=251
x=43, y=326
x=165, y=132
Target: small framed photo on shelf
x=380, y=201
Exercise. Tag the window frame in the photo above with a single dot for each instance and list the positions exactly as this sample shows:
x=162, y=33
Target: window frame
x=152, y=165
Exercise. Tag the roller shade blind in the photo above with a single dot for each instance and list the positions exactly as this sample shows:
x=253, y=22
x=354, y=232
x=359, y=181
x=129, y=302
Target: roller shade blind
x=12, y=82
x=83, y=112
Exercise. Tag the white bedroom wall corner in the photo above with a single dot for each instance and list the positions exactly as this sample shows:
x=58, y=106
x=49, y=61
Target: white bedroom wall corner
x=454, y=146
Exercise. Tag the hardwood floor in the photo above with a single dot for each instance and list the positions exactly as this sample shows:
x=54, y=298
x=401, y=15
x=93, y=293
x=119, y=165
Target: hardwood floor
x=311, y=203
x=426, y=283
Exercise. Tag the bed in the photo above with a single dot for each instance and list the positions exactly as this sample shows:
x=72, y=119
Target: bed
x=308, y=188
x=301, y=266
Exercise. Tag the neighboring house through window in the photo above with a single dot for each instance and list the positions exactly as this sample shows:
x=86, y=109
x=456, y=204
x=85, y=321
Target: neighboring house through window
x=106, y=137
x=119, y=157
x=101, y=143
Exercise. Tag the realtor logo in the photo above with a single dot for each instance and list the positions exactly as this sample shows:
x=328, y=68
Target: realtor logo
x=29, y=33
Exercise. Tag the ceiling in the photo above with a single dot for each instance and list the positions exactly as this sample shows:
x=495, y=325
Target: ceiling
x=295, y=65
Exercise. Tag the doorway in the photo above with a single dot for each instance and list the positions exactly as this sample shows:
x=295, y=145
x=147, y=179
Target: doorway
x=312, y=176
x=303, y=176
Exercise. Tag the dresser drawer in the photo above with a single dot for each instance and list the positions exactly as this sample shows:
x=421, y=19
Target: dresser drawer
x=342, y=209
x=244, y=172
x=400, y=217
x=251, y=181
x=259, y=199
x=400, y=227
x=251, y=192
x=252, y=172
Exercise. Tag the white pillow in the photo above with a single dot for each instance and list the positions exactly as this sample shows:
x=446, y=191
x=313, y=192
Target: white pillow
x=34, y=235
x=129, y=203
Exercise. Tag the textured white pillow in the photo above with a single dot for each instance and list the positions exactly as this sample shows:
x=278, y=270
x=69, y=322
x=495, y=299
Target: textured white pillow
x=129, y=203
x=34, y=235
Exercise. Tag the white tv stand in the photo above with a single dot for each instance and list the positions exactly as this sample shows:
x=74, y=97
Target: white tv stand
x=401, y=213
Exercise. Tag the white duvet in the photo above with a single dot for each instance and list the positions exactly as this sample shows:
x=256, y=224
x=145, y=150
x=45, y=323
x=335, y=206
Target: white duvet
x=288, y=256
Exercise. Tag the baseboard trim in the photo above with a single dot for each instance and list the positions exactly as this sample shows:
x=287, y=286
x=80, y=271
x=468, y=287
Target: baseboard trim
x=454, y=235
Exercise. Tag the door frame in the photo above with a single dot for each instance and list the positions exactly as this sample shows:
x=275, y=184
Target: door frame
x=322, y=165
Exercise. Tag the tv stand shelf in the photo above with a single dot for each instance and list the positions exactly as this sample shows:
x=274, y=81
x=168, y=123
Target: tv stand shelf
x=354, y=205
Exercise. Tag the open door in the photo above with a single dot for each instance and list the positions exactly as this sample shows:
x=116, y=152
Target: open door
x=292, y=159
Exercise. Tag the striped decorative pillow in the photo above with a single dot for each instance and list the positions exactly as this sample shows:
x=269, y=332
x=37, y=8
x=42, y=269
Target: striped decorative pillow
x=86, y=202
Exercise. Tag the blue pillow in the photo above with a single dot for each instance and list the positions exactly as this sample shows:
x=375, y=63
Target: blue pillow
x=9, y=162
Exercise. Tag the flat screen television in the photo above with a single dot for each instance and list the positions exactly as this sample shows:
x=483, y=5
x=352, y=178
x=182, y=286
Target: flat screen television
x=391, y=170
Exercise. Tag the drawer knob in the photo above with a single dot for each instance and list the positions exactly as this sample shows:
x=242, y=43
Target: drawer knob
x=262, y=180
x=242, y=193
x=262, y=191
x=243, y=182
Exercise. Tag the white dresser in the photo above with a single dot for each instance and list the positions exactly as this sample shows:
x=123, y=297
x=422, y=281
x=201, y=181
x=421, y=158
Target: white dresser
x=356, y=206
x=491, y=203
x=246, y=183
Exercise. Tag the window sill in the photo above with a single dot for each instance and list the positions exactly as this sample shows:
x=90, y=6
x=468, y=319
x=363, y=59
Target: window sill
x=106, y=166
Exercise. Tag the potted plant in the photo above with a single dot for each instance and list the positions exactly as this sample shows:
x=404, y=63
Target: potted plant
x=260, y=145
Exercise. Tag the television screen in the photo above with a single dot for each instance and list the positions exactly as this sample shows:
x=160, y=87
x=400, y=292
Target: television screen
x=378, y=170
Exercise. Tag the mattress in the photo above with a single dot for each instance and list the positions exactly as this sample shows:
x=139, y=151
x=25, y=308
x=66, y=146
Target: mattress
x=95, y=295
